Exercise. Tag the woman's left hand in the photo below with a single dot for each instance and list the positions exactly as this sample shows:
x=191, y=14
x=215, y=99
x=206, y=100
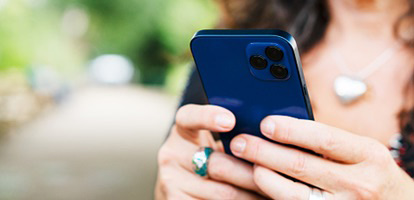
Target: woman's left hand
x=352, y=166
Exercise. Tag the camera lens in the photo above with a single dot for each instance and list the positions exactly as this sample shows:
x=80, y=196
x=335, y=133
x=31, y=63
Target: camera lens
x=274, y=53
x=279, y=71
x=258, y=62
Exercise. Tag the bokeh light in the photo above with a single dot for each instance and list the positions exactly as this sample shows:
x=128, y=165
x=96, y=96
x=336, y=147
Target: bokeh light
x=88, y=91
x=111, y=69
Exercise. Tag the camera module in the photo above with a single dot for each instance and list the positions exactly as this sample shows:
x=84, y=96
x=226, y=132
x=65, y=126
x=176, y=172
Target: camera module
x=279, y=71
x=274, y=53
x=258, y=62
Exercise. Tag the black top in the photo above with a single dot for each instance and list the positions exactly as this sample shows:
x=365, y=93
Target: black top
x=194, y=91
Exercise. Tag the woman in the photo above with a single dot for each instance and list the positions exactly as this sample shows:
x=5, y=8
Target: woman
x=372, y=42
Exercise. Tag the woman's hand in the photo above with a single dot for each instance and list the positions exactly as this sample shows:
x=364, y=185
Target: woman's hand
x=353, y=167
x=229, y=178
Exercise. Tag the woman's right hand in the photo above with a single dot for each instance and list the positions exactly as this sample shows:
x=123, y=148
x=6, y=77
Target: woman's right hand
x=229, y=178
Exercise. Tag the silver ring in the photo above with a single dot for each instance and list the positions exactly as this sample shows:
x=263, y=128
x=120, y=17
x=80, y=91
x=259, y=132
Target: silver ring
x=316, y=194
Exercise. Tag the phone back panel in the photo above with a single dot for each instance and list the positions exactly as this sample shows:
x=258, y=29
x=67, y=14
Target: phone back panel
x=221, y=57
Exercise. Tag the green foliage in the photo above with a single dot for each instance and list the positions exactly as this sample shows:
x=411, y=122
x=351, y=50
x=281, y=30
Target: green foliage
x=154, y=34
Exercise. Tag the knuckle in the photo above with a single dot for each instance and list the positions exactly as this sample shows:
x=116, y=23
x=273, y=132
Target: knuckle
x=164, y=156
x=379, y=154
x=164, y=185
x=366, y=191
x=167, y=183
x=219, y=168
x=329, y=144
x=258, y=177
x=226, y=192
x=298, y=168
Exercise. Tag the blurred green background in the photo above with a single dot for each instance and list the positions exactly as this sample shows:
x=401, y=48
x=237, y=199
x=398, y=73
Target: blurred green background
x=67, y=34
x=88, y=91
x=47, y=46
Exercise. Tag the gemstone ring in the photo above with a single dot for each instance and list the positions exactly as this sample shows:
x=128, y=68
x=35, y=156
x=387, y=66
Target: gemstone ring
x=200, y=161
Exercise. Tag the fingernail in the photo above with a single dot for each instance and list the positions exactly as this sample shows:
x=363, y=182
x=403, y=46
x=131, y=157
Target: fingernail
x=238, y=145
x=223, y=121
x=268, y=129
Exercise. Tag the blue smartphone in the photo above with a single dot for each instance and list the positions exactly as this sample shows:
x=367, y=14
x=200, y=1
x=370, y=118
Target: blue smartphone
x=252, y=73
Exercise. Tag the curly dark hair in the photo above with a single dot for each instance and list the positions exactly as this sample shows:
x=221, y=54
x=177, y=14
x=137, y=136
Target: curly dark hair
x=307, y=21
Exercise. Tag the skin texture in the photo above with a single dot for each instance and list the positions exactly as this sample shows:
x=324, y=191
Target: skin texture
x=176, y=180
x=352, y=167
x=351, y=32
x=356, y=163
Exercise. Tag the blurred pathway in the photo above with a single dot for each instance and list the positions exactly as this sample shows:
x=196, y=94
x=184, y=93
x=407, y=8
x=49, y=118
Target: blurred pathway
x=101, y=143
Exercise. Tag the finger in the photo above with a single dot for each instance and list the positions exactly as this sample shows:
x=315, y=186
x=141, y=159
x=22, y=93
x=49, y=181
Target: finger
x=195, y=139
x=333, y=143
x=277, y=186
x=208, y=189
x=219, y=146
x=303, y=166
x=225, y=168
x=182, y=150
x=205, y=117
x=221, y=167
x=168, y=184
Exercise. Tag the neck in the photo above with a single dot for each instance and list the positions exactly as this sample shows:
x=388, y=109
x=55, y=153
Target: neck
x=364, y=19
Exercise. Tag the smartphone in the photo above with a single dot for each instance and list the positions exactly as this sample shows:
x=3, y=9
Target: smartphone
x=252, y=73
